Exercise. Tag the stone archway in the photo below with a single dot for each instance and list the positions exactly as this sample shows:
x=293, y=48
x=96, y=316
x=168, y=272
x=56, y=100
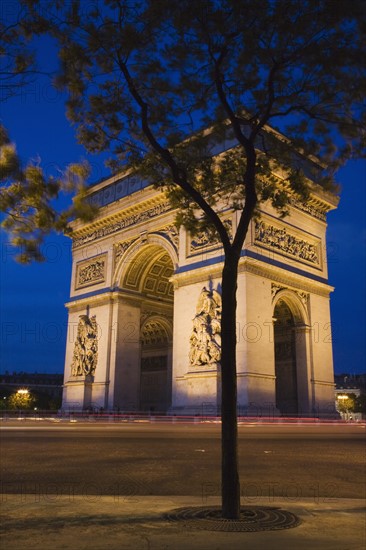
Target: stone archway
x=285, y=360
x=146, y=288
x=292, y=350
x=156, y=363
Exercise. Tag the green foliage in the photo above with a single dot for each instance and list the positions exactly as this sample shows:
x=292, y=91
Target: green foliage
x=16, y=59
x=27, y=200
x=144, y=77
x=347, y=404
x=20, y=401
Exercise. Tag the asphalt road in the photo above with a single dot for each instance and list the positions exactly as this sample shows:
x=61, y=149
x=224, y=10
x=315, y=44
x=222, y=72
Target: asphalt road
x=323, y=462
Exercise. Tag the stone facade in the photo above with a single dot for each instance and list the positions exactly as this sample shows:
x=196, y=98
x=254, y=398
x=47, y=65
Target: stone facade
x=146, y=298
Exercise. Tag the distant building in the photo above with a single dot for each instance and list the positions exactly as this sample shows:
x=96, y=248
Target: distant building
x=348, y=387
x=355, y=381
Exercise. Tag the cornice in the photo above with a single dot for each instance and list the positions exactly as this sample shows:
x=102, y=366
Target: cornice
x=199, y=275
x=319, y=201
x=213, y=373
x=146, y=203
x=116, y=296
x=284, y=277
x=318, y=204
x=323, y=383
x=81, y=303
x=262, y=375
x=255, y=267
x=125, y=217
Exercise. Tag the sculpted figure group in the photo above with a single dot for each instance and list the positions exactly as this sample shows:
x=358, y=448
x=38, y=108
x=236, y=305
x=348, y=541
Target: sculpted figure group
x=205, y=340
x=279, y=238
x=86, y=347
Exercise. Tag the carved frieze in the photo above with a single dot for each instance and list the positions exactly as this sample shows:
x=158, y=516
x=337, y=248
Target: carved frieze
x=171, y=233
x=152, y=313
x=85, y=354
x=120, y=248
x=205, y=339
x=281, y=240
x=154, y=333
x=304, y=297
x=318, y=213
x=91, y=272
x=275, y=289
x=128, y=221
x=204, y=241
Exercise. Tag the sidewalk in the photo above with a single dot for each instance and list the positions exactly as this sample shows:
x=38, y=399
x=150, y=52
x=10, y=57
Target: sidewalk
x=70, y=522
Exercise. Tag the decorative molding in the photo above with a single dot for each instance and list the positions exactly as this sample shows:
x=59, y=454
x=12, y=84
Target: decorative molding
x=317, y=204
x=263, y=376
x=150, y=274
x=280, y=240
x=323, y=383
x=120, y=248
x=314, y=210
x=275, y=289
x=85, y=355
x=171, y=233
x=209, y=372
x=154, y=333
x=303, y=296
x=255, y=267
x=80, y=303
x=284, y=277
x=127, y=221
x=153, y=313
x=91, y=272
x=197, y=275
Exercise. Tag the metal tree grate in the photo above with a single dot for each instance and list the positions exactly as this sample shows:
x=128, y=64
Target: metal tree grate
x=252, y=518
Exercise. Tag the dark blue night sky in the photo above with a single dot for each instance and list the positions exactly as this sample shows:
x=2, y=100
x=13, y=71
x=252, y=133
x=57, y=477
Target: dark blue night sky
x=33, y=316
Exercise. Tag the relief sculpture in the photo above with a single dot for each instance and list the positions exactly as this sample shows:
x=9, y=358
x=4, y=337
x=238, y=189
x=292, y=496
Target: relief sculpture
x=85, y=355
x=205, y=340
x=280, y=239
x=94, y=272
x=91, y=272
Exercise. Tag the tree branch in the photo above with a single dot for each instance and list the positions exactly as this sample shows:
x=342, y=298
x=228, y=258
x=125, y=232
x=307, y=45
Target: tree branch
x=178, y=174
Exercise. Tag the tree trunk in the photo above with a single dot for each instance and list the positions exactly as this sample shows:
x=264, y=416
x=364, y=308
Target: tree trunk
x=229, y=431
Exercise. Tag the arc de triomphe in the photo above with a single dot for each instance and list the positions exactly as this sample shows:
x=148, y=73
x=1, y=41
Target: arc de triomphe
x=144, y=309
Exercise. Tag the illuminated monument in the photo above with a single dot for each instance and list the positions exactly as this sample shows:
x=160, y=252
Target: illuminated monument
x=145, y=307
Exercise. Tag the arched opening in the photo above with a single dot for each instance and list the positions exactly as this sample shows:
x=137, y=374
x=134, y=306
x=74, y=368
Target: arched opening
x=285, y=360
x=147, y=283
x=155, y=381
